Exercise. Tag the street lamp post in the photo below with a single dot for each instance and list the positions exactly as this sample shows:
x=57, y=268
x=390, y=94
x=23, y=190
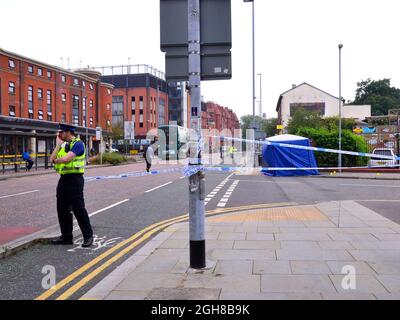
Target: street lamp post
x=254, y=71
x=260, y=111
x=340, y=106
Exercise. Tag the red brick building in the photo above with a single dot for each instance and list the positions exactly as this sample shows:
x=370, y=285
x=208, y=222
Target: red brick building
x=35, y=97
x=217, y=117
x=140, y=94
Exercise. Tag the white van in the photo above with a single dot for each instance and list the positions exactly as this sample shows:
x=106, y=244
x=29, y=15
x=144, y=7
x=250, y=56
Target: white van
x=376, y=162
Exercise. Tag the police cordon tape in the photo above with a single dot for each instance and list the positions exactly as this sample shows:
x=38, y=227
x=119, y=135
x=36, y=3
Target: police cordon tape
x=191, y=170
x=293, y=146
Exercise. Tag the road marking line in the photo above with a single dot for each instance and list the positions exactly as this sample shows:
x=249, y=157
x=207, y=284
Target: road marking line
x=18, y=194
x=221, y=204
x=162, y=224
x=165, y=184
x=109, y=207
x=182, y=177
x=370, y=185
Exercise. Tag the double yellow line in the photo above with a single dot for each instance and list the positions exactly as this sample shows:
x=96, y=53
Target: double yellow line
x=133, y=242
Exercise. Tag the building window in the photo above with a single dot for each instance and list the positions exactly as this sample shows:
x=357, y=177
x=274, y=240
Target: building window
x=11, y=64
x=141, y=125
x=141, y=103
x=49, y=100
x=91, y=86
x=118, y=112
x=11, y=87
x=40, y=72
x=63, y=118
x=48, y=74
x=83, y=83
x=161, y=112
x=84, y=111
x=91, y=103
x=63, y=97
x=39, y=94
x=11, y=111
x=91, y=122
x=108, y=91
x=63, y=79
x=30, y=69
x=108, y=107
x=40, y=115
x=75, y=110
x=30, y=114
x=133, y=105
x=76, y=82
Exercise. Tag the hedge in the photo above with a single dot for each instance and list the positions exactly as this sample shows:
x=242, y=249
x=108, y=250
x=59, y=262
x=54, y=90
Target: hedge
x=323, y=138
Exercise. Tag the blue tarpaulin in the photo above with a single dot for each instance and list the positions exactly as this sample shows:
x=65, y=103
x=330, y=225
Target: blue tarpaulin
x=278, y=157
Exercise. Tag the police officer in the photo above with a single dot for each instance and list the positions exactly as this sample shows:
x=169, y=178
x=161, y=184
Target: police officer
x=69, y=161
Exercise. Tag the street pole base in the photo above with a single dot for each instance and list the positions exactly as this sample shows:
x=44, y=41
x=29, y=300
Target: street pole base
x=197, y=253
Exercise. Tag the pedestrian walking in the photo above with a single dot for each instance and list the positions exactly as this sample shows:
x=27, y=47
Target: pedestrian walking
x=69, y=161
x=28, y=160
x=149, y=154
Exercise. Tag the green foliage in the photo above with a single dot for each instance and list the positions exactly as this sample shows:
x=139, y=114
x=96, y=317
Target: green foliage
x=304, y=118
x=323, y=138
x=379, y=94
x=332, y=123
x=267, y=125
x=113, y=158
x=310, y=119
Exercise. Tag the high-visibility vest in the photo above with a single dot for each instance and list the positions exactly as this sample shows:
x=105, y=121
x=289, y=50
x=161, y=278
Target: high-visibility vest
x=76, y=165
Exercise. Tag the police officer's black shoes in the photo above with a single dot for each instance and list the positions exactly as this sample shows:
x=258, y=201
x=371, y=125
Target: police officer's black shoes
x=87, y=242
x=62, y=240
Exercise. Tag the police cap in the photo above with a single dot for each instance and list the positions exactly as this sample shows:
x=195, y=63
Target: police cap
x=66, y=127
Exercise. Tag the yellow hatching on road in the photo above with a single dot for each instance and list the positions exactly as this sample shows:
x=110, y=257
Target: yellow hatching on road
x=302, y=213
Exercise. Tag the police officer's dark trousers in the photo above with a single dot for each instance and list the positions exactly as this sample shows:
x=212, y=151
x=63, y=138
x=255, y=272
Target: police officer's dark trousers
x=70, y=195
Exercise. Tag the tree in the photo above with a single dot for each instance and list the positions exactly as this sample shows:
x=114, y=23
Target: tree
x=304, y=119
x=266, y=125
x=379, y=94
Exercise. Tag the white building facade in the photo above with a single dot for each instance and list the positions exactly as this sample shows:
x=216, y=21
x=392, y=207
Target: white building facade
x=311, y=98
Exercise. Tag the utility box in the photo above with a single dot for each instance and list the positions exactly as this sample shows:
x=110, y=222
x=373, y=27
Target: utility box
x=215, y=35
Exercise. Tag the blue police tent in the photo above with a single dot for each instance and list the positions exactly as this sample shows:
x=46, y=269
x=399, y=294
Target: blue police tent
x=281, y=157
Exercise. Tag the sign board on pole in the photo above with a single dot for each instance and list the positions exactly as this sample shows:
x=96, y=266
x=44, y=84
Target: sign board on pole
x=129, y=130
x=98, y=133
x=216, y=39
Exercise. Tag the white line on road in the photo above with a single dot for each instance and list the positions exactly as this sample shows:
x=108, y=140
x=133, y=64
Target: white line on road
x=109, y=207
x=165, y=184
x=18, y=194
x=370, y=185
x=102, y=210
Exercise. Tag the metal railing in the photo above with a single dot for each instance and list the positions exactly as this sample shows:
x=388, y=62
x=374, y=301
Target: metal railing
x=129, y=69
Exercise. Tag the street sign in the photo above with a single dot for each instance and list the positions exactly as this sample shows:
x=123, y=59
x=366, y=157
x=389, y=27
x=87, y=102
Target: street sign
x=129, y=130
x=215, y=39
x=98, y=133
x=279, y=127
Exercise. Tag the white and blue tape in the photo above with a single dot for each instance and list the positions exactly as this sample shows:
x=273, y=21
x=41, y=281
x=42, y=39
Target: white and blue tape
x=292, y=146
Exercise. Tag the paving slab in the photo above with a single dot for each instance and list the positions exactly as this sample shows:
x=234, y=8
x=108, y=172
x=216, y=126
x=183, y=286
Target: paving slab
x=234, y=267
x=361, y=267
x=363, y=284
x=296, y=284
x=309, y=267
x=183, y=294
x=314, y=255
x=271, y=267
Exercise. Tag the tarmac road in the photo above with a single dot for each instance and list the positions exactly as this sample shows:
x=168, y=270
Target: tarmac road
x=21, y=275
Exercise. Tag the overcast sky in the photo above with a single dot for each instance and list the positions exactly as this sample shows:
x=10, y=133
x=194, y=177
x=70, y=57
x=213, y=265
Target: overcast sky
x=296, y=41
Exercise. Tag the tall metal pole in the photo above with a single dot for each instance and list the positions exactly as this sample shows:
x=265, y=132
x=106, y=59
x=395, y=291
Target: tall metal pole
x=260, y=111
x=254, y=80
x=340, y=106
x=197, y=245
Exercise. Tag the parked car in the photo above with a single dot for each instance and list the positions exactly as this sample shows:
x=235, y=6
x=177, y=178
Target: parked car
x=377, y=162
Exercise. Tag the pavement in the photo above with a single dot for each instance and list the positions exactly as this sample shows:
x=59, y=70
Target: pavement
x=361, y=175
x=328, y=250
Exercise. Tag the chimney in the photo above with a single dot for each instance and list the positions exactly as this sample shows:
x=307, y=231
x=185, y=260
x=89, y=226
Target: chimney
x=293, y=86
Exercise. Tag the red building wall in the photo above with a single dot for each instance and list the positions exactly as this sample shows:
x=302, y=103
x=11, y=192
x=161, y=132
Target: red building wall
x=88, y=87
